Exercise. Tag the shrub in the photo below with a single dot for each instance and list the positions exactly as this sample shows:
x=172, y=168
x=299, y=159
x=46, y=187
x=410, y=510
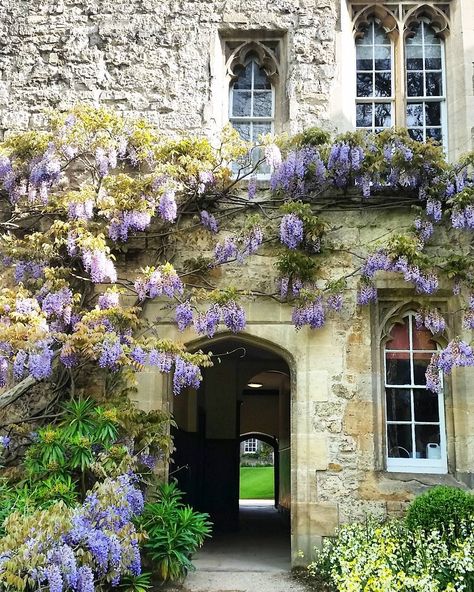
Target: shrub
x=439, y=507
x=174, y=533
x=376, y=557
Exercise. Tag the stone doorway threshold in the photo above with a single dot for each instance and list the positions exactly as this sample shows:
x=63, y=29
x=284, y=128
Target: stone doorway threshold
x=254, y=559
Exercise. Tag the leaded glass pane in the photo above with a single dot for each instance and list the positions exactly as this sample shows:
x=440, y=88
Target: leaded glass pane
x=416, y=134
x=414, y=57
x=244, y=80
x=415, y=115
x=434, y=84
x=398, y=368
x=398, y=404
x=433, y=57
x=426, y=405
x=415, y=84
x=365, y=85
x=262, y=104
x=382, y=55
x=399, y=441
x=383, y=115
x=435, y=133
x=243, y=129
x=428, y=440
x=364, y=115
x=383, y=84
x=260, y=81
x=433, y=113
x=241, y=103
x=365, y=59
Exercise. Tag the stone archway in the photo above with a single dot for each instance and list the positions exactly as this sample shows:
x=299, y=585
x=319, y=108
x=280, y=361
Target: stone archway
x=210, y=422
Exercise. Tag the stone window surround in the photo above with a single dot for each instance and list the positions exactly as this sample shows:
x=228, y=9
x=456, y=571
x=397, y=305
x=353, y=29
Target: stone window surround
x=388, y=312
x=398, y=18
x=422, y=465
x=270, y=46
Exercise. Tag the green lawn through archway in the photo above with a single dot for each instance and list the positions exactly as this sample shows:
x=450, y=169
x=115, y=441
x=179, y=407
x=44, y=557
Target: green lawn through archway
x=257, y=483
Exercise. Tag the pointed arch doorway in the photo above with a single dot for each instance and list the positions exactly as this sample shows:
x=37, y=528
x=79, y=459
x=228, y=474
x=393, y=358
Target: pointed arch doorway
x=247, y=391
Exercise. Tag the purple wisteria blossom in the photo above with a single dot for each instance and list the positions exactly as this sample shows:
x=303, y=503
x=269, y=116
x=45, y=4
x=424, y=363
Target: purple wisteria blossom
x=378, y=261
x=251, y=242
x=108, y=299
x=186, y=374
x=125, y=222
x=184, y=315
x=111, y=352
x=291, y=231
x=252, y=188
x=311, y=314
x=344, y=163
x=225, y=251
x=434, y=209
x=167, y=207
x=457, y=353
x=161, y=360
x=432, y=320
x=40, y=363
x=292, y=174
x=164, y=281
x=367, y=293
x=463, y=218
x=209, y=221
x=335, y=302
x=25, y=270
x=4, y=441
x=81, y=210
x=19, y=364
x=205, y=180
x=233, y=316
x=272, y=156
x=425, y=229
x=206, y=323
x=99, y=266
x=58, y=304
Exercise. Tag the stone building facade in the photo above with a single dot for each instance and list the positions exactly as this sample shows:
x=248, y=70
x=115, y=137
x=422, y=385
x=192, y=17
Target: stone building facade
x=175, y=62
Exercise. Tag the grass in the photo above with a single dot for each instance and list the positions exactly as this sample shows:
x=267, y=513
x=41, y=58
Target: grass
x=256, y=483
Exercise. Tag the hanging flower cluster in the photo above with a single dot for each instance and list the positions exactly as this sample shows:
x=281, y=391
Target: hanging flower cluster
x=77, y=549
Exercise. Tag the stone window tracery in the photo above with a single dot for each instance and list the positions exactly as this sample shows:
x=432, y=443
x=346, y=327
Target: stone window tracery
x=414, y=416
x=415, y=76
x=253, y=71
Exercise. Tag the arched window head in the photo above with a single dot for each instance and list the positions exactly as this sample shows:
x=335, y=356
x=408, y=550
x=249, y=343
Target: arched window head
x=414, y=416
x=425, y=83
x=374, y=84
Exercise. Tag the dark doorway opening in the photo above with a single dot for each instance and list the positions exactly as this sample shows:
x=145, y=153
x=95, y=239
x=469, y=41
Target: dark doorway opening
x=245, y=394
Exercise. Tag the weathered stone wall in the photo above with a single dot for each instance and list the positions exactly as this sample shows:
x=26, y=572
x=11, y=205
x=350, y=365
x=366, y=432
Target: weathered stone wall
x=153, y=58
x=337, y=427
x=165, y=60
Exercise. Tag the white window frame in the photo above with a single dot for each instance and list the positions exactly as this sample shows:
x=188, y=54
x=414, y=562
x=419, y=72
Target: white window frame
x=374, y=100
x=397, y=21
x=441, y=99
x=236, y=119
x=251, y=446
x=414, y=465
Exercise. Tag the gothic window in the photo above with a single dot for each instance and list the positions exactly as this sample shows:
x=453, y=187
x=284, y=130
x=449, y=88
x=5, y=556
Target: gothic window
x=253, y=70
x=425, y=84
x=414, y=416
x=374, y=103
x=250, y=446
x=400, y=71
